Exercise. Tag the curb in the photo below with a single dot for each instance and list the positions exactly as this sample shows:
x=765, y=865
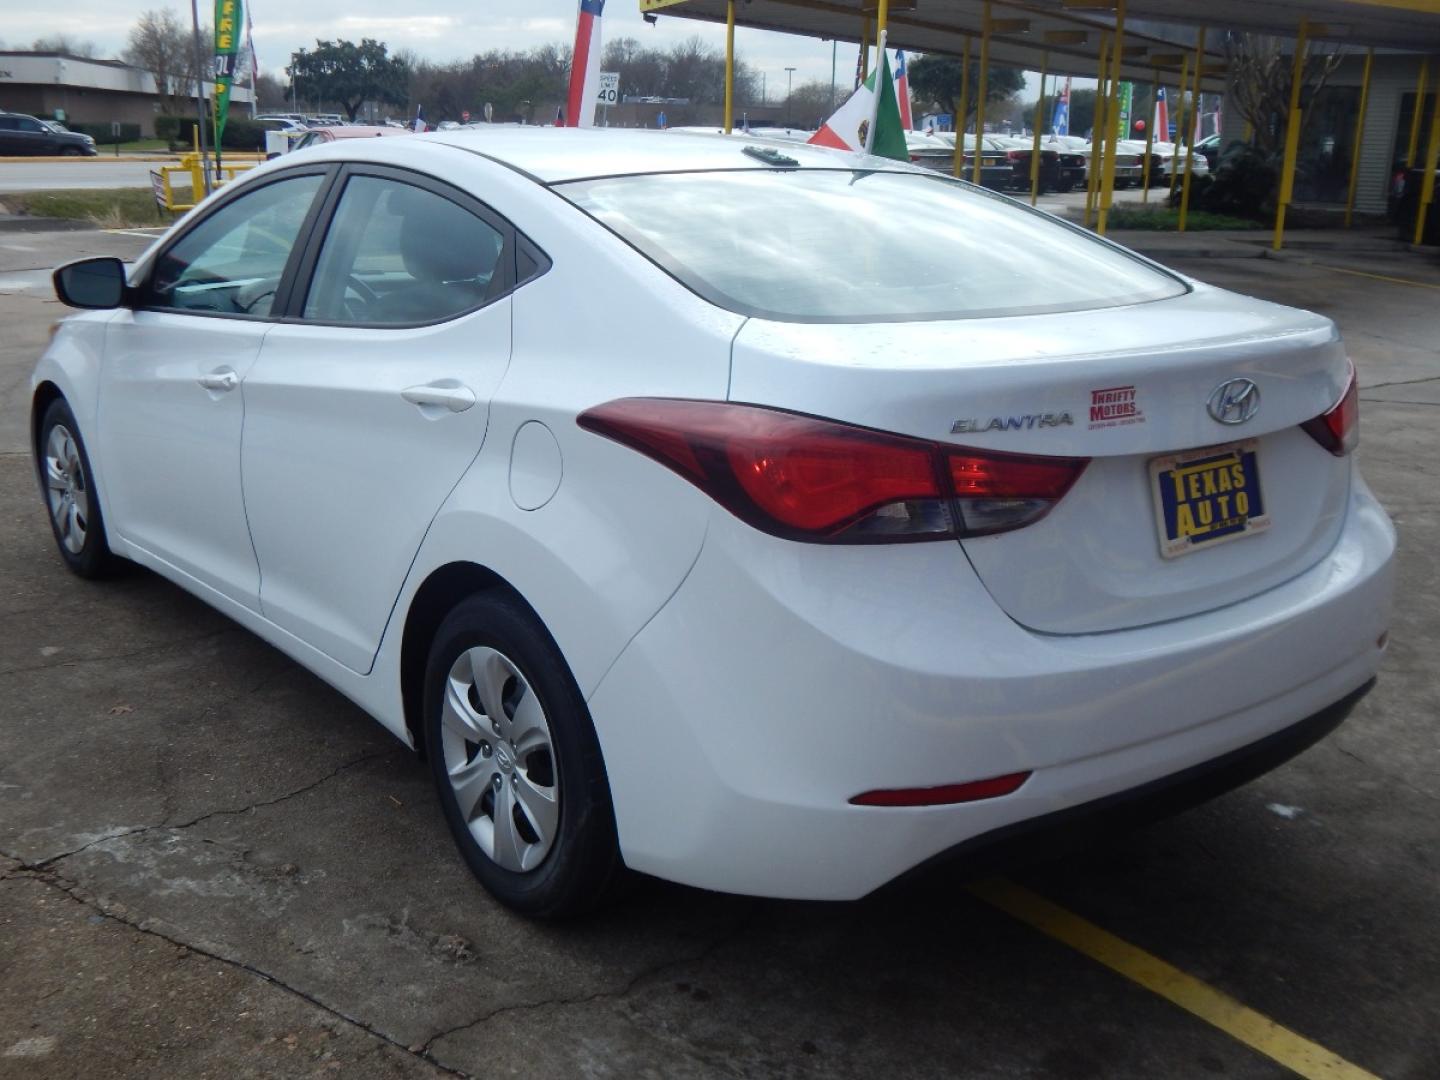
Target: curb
x=27, y=223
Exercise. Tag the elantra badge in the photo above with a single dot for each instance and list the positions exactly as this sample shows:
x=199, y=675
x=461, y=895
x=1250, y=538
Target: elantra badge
x=1234, y=401
x=1011, y=423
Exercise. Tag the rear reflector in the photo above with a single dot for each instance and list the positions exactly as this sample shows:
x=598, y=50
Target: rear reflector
x=1339, y=429
x=805, y=478
x=944, y=795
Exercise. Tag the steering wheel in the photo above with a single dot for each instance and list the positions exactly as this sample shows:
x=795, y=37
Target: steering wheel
x=367, y=294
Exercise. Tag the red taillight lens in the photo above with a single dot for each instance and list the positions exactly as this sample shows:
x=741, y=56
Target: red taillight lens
x=996, y=492
x=1339, y=429
x=810, y=479
x=991, y=788
x=1017, y=155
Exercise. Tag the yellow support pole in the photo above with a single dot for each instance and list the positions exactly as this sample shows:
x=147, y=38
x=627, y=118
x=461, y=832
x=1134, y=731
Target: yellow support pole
x=1149, y=139
x=1419, y=108
x=1097, y=127
x=882, y=16
x=1194, y=108
x=964, y=111
x=1359, y=136
x=1246, y=132
x=729, y=66
x=980, y=91
x=1292, y=136
x=1039, y=120
x=1112, y=119
x=1432, y=154
x=1179, y=125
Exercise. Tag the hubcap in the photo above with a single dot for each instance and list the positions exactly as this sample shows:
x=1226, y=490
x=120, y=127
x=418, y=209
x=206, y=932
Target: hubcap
x=66, y=490
x=500, y=759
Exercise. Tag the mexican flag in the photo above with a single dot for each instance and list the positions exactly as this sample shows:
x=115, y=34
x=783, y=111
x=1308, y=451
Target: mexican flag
x=868, y=122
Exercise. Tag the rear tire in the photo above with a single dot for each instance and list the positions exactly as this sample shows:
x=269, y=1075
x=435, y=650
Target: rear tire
x=66, y=483
x=516, y=761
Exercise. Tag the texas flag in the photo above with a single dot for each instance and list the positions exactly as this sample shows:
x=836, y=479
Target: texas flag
x=1162, y=116
x=902, y=92
x=869, y=121
x=585, y=68
x=1060, y=119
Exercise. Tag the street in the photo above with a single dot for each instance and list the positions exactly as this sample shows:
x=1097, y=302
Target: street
x=211, y=864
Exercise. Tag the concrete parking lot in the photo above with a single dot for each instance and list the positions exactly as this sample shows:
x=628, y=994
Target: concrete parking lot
x=213, y=865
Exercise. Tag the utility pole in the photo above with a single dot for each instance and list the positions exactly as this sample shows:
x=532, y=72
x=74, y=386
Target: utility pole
x=789, y=77
x=833, y=44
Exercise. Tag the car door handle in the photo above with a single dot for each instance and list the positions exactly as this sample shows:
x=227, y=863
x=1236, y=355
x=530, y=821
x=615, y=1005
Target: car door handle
x=221, y=380
x=450, y=396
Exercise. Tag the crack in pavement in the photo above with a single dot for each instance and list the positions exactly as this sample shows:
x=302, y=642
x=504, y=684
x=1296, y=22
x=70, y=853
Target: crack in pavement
x=72, y=890
x=1392, y=777
x=426, y=1049
x=46, y=863
x=158, y=647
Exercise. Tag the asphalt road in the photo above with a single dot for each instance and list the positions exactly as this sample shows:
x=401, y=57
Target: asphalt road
x=98, y=172
x=212, y=865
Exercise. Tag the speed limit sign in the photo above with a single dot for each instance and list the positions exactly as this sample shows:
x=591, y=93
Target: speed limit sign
x=609, y=88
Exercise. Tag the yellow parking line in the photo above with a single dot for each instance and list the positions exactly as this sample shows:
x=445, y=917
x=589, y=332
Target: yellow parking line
x=1243, y=1024
x=1380, y=277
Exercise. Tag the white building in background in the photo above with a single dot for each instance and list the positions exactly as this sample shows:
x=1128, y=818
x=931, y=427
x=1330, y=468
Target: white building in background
x=82, y=90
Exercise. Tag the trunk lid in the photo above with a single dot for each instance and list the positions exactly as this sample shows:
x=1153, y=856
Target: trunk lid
x=1123, y=386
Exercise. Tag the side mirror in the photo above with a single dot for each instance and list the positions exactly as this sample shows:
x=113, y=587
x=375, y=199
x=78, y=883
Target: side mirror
x=91, y=283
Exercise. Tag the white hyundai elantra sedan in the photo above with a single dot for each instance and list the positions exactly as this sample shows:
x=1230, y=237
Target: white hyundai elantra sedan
x=691, y=518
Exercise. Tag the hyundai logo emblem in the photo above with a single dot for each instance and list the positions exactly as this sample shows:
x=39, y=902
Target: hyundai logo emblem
x=1234, y=401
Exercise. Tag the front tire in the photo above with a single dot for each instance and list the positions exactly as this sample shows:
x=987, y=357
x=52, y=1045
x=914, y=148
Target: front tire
x=516, y=761
x=66, y=481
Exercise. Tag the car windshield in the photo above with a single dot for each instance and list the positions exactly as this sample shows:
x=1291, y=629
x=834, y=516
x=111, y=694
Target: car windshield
x=812, y=245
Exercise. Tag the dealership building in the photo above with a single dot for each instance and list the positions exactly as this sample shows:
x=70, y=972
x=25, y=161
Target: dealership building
x=82, y=90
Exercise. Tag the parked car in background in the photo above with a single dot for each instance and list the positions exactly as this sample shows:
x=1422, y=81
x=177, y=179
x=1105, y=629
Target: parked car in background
x=24, y=135
x=321, y=135
x=1164, y=158
x=936, y=150
x=1061, y=170
x=1209, y=148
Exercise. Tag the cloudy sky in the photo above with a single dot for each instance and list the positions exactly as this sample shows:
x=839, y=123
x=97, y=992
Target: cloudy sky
x=435, y=29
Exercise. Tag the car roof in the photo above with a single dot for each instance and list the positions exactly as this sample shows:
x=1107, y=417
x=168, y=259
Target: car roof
x=555, y=155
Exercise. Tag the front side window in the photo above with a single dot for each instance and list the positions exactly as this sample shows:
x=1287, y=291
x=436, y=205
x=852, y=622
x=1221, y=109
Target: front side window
x=26, y=124
x=232, y=262
x=397, y=255
x=813, y=245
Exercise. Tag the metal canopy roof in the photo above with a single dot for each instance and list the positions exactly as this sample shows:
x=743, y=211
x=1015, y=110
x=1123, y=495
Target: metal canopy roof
x=1068, y=31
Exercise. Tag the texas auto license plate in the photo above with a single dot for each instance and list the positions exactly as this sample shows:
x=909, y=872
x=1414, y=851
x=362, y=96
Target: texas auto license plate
x=1205, y=497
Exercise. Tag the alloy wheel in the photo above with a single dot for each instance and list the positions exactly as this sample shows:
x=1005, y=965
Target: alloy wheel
x=500, y=759
x=66, y=489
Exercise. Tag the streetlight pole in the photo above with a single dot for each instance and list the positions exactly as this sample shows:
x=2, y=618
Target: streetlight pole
x=789, y=77
x=200, y=98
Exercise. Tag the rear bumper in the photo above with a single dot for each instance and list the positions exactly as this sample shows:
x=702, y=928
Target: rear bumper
x=783, y=679
x=1066, y=830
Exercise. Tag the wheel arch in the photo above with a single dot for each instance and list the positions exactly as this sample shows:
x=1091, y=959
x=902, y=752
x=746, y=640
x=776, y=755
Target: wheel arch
x=436, y=597
x=46, y=393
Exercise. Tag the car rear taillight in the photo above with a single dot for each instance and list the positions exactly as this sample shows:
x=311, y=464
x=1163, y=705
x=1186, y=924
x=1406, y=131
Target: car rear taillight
x=996, y=492
x=1017, y=155
x=1339, y=429
x=805, y=478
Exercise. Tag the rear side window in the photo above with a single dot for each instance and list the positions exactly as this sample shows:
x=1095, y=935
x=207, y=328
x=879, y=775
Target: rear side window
x=812, y=245
x=397, y=255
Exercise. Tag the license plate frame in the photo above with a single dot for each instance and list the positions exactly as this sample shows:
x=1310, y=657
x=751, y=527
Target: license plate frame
x=1175, y=536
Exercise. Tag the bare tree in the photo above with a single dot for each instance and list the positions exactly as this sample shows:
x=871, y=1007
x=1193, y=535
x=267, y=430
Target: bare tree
x=1261, y=71
x=64, y=43
x=161, y=45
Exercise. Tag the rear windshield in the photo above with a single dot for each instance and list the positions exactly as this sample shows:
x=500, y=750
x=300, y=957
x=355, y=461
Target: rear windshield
x=819, y=245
